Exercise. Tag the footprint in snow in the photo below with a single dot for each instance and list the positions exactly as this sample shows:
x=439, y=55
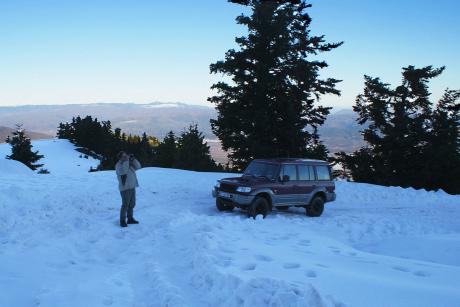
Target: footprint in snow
x=422, y=274
x=118, y=283
x=249, y=267
x=401, y=269
x=291, y=266
x=107, y=301
x=304, y=242
x=310, y=273
x=322, y=265
x=335, y=249
x=263, y=258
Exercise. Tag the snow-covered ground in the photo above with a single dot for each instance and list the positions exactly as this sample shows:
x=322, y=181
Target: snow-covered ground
x=60, y=244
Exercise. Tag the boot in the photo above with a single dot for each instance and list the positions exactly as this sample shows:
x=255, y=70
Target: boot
x=123, y=224
x=132, y=221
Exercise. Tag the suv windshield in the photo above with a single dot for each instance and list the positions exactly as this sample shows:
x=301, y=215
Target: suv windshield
x=261, y=169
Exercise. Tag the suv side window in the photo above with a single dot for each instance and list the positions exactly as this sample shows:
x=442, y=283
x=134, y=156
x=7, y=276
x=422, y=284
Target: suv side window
x=322, y=172
x=306, y=172
x=289, y=170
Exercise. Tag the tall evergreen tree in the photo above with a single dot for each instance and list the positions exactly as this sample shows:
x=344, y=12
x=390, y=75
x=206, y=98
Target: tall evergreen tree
x=268, y=110
x=409, y=141
x=166, y=151
x=193, y=151
x=21, y=149
x=442, y=150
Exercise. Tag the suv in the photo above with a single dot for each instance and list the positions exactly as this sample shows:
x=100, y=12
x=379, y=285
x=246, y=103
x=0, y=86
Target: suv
x=280, y=184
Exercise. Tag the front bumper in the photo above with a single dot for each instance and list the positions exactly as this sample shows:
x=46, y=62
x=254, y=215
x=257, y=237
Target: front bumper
x=239, y=199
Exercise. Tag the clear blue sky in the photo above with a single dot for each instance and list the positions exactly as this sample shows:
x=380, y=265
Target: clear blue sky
x=56, y=52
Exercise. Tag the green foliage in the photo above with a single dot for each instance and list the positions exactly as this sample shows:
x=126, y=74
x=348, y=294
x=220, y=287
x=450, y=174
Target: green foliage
x=410, y=142
x=268, y=110
x=99, y=140
x=167, y=151
x=21, y=149
x=193, y=151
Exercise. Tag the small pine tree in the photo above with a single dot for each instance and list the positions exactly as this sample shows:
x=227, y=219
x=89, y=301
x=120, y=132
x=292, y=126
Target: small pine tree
x=166, y=151
x=21, y=149
x=316, y=148
x=193, y=151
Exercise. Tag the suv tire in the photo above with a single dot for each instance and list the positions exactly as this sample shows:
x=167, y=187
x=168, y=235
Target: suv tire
x=221, y=206
x=258, y=206
x=316, y=207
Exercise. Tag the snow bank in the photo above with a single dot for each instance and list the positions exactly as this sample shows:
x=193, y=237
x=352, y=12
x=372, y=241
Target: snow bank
x=60, y=157
x=11, y=167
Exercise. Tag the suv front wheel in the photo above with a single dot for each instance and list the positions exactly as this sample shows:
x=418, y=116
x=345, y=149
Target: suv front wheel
x=316, y=207
x=258, y=206
x=221, y=206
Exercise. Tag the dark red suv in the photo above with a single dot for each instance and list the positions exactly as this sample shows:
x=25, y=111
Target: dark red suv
x=280, y=184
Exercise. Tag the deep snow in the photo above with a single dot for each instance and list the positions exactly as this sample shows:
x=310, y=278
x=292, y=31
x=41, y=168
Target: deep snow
x=60, y=244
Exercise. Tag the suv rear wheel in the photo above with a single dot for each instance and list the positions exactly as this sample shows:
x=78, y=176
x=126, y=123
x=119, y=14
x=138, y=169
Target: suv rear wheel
x=221, y=206
x=258, y=206
x=316, y=207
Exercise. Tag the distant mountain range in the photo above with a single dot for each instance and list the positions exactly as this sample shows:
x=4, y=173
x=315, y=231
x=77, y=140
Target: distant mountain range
x=340, y=131
x=155, y=118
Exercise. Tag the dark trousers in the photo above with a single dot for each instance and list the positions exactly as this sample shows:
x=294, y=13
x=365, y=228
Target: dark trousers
x=128, y=202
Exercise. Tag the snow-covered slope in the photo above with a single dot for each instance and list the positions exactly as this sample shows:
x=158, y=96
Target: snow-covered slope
x=60, y=157
x=13, y=168
x=60, y=244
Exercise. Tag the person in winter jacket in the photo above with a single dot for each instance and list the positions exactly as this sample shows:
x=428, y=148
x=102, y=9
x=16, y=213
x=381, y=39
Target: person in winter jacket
x=126, y=168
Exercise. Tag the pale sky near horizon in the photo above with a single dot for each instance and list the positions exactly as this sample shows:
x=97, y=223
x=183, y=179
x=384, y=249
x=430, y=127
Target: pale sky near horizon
x=59, y=52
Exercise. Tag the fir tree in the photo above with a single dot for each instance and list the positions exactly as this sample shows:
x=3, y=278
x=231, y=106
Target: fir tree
x=442, y=151
x=193, y=151
x=167, y=151
x=97, y=138
x=21, y=149
x=269, y=107
x=316, y=149
x=410, y=142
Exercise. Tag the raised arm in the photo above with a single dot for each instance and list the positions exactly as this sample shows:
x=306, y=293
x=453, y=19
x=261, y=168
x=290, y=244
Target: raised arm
x=122, y=168
x=135, y=164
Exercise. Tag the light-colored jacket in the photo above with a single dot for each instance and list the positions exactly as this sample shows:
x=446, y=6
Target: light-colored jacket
x=128, y=169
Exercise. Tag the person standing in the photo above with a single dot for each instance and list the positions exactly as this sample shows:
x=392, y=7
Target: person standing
x=126, y=168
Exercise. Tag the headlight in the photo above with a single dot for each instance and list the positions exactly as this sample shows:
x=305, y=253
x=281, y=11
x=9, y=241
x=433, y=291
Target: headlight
x=217, y=186
x=243, y=189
